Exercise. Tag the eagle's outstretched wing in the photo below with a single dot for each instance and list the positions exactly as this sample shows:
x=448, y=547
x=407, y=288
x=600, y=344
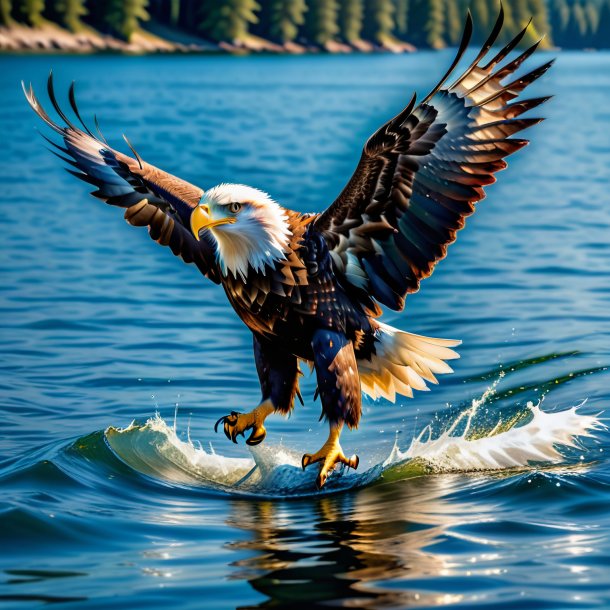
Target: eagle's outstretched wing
x=422, y=172
x=152, y=197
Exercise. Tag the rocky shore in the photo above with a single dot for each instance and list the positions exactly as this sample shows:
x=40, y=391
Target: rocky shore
x=157, y=38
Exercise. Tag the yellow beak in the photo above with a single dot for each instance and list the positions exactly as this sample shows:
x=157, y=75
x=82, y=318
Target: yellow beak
x=201, y=219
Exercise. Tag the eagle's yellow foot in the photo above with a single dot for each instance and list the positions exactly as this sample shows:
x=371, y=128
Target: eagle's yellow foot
x=237, y=423
x=330, y=454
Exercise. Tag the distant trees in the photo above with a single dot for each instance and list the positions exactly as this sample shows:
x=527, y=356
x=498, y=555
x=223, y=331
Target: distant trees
x=124, y=16
x=559, y=17
x=351, y=17
x=5, y=12
x=540, y=18
x=228, y=20
x=378, y=20
x=70, y=13
x=424, y=23
x=580, y=24
x=480, y=10
x=30, y=12
x=601, y=39
x=285, y=19
x=322, y=21
x=434, y=26
x=401, y=17
x=454, y=22
x=427, y=23
x=524, y=10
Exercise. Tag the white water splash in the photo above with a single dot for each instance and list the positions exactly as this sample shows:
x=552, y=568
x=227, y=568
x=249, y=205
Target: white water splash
x=540, y=440
x=155, y=450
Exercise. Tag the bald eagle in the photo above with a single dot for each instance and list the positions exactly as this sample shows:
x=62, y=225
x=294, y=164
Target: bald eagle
x=309, y=286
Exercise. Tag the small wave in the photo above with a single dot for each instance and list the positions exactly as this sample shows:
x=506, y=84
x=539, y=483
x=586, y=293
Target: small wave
x=154, y=449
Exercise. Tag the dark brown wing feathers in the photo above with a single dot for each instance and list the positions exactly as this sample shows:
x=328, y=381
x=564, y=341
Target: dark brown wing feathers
x=165, y=230
x=152, y=197
x=421, y=174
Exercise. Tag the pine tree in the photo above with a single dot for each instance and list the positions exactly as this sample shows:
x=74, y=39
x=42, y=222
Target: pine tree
x=5, y=12
x=426, y=23
x=285, y=17
x=435, y=26
x=228, y=20
x=174, y=11
x=576, y=28
x=70, y=13
x=540, y=21
x=190, y=15
x=416, y=20
x=30, y=12
x=453, y=22
x=401, y=17
x=510, y=28
x=322, y=21
x=559, y=17
x=521, y=15
x=351, y=14
x=124, y=16
x=378, y=20
x=262, y=25
x=481, y=19
x=601, y=40
x=592, y=21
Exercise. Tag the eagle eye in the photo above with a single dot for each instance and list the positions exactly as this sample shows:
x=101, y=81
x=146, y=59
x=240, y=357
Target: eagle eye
x=234, y=207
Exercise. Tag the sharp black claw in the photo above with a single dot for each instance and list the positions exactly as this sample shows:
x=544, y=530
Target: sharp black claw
x=218, y=423
x=320, y=480
x=256, y=438
x=229, y=423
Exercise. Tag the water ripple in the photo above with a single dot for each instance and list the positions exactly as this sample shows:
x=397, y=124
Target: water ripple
x=99, y=326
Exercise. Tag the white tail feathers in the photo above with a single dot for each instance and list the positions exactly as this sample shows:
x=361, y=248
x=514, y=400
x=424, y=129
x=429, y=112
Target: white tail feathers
x=404, y=362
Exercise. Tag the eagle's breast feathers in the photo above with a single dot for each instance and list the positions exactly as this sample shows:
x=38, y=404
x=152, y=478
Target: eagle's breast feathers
x=265, y=295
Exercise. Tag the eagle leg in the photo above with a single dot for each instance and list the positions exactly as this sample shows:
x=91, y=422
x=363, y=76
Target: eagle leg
x=238, y=423
x=339, y=389
x=330, y=454
x=278, y=373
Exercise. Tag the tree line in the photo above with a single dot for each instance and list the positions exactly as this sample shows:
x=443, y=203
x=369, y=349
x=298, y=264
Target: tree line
x=423, y=23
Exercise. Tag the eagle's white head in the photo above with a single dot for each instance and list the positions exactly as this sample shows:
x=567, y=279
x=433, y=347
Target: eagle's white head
x=248, y=227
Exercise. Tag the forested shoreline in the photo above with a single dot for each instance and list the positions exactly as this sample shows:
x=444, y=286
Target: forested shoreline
x=290, y=25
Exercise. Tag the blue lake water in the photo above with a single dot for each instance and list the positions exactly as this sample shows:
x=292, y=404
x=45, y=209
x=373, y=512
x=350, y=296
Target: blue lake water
x=100, y=326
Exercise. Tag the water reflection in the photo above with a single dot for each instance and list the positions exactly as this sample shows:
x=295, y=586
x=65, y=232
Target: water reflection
x=343, y=550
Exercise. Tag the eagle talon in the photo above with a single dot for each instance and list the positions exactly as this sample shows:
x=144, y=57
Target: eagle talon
x=258, y=436
x=305, y=461
x=231, y=418
x=236, y=424
x=330, y=455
